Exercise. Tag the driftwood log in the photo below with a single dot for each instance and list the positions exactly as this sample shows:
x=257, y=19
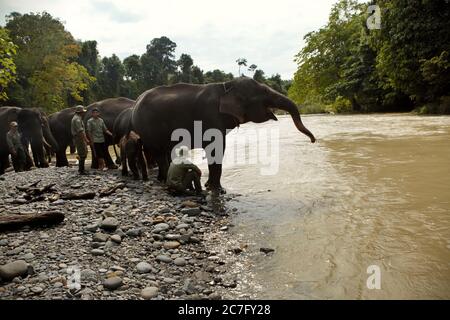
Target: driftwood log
x=15, y=221
x=78, y=196
x=108, y=191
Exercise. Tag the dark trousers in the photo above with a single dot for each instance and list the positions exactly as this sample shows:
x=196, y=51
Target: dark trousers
x=19, y=160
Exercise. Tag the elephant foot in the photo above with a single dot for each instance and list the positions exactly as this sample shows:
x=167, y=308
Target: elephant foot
x=144, y=178
x=112, y=167
x=135, y=177
x=216, y=189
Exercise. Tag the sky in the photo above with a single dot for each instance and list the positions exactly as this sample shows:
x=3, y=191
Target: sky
x=267, y=33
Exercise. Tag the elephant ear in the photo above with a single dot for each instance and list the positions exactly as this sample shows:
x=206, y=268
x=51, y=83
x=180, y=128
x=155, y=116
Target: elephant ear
x=231, y=105
x=13, y=115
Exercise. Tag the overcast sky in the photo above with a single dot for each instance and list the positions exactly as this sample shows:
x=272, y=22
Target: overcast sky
x=267, y=33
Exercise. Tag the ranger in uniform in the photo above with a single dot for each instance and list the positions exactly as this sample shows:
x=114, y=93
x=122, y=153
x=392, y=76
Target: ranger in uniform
x=79, y=137
x=13, y=138
x=96, y=130
x=182, y=174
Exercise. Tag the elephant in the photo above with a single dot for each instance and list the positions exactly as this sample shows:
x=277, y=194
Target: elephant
x=122, y=127
x=131, y=150
x=221, y=106
x=60, y=123
x=35, y=130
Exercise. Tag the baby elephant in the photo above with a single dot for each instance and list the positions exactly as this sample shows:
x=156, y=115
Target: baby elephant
x=131, y=150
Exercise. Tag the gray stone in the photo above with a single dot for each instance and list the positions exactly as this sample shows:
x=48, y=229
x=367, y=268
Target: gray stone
x=149, y=292
x=164, y=258
x=116, y=238
x=135, y=232
x=28, y=256
x=143, y=267
x=3, y=242
x=13, y=269
x=97, y=252
x=113, y=283
x=183, y=226
x=58, y=202
x=88, y=275
x=191, y=211
x=180, y=262
x=37, y=289
x=161, y=227
x=91, y=227
x=109, y=224
x=172, y=236
x=171, y=245
x=100, y=237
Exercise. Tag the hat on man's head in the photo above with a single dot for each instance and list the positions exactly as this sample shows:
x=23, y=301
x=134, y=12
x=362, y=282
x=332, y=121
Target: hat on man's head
x=79, y=109
x=95, y=110
x=13, y=124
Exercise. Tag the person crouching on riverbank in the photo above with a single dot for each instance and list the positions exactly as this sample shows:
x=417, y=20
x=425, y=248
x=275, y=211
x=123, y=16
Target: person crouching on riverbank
x=96, y=129
x=183, y=177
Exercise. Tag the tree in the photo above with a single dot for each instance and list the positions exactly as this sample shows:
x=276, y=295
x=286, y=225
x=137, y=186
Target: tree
x=89, y=59
x=252, y=68
x=7, y=65
x=158, y=62
x=259, y=76
x=185, y=64
x=217, y=76
x=48, y=74
x=110, y=77
x=197, y=75
x=241, y=62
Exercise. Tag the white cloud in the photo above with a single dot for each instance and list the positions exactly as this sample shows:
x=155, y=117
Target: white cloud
x=214, y=33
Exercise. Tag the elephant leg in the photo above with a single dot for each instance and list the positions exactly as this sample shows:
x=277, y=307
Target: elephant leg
x=61, y=158
x=4, y=163
x=142, y=165
x=149, y=159
x=133, y=164
x=163, y=166
x=123, y=157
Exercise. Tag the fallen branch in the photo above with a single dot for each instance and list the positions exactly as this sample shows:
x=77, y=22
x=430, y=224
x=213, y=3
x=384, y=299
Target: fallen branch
x=31, y=185
x=14, y=221
x=78, y=196
x=111, y=190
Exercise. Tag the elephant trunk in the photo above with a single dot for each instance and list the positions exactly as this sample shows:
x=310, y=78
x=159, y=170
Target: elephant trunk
x=37, y=147
x=284, y=103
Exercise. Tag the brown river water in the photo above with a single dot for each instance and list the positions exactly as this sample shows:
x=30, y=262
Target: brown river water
x=374, y=190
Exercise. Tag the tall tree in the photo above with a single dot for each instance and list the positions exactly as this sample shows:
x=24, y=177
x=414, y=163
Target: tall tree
x=241, y=62
x=48, y=74
x=110, y=77
x=7, y=65
x=185, y=64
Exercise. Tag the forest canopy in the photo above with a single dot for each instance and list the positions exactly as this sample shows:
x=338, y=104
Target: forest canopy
x=403, y=64
x=344, y=66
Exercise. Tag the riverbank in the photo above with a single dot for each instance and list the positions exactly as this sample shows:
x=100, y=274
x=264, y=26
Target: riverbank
x=137, y=243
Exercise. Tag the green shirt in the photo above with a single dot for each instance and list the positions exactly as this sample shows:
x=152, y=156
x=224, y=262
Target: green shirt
x=14, y=141
x=77, y=125
x=176, y=172
x=96, y=128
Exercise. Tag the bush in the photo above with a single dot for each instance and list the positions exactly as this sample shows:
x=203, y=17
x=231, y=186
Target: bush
x=340, y=105
x=440, y=107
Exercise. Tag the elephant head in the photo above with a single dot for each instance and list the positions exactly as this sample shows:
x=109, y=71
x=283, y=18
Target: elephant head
x=247, y=100
x=33, y=124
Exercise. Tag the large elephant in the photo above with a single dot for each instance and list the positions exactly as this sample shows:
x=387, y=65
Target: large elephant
x=60, y=123
x=33, y=125
x=160, y=111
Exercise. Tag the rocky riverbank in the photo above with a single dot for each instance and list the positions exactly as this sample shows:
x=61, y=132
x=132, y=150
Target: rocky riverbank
x=137, y=243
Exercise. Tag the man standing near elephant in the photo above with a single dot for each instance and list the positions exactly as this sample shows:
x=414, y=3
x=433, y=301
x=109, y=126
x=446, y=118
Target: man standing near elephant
x=79, y=137
x=96, y=129
x=13, y=138
x=183, y=173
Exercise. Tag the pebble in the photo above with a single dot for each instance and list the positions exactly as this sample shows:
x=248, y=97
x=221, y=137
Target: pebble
x=135, y=232
x=113, y=283
x=100, y=237
x=149, y=292
x=116, y=238
x=109, y=224
x=13, y=269
x=143, y=267
x=160, y=227
x=97, y=252
x=37, y=289
x=266, y=250
x=171, y=244
x=191, y=211
x=180, y=262
x=164, y=258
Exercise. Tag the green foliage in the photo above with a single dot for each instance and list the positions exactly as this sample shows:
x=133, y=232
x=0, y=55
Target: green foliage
x=48, y=75
x=404, y=62
x=7, y=65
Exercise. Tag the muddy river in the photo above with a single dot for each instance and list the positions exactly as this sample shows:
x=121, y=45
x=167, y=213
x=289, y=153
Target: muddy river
x=372, y=194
